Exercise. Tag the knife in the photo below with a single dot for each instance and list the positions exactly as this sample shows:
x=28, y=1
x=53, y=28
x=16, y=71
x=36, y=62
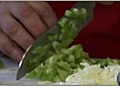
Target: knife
x=118, y=78
x=41, y=41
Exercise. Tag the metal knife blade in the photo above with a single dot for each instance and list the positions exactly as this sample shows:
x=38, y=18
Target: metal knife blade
x=41, y=41
x=118, y=78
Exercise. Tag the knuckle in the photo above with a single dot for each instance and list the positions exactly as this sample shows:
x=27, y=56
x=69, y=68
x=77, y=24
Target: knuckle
x=46, y=12
x=12, y=51
x=7, y=48
x=11, y=29
x=24, y=11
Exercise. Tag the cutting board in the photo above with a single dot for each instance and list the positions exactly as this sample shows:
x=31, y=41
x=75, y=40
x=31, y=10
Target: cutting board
x=8, y=75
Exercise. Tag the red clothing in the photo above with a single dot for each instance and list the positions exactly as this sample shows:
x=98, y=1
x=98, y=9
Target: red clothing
x=101, y=37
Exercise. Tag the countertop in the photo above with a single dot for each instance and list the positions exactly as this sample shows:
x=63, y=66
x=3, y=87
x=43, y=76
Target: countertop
x=8, y=74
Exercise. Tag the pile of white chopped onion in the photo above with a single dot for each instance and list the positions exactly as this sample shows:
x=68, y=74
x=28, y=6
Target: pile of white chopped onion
x=93, y=75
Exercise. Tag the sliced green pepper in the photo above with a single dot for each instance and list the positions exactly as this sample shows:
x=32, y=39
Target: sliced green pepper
x=51, y=60
x=52, y=37
x=63, y=22
x=65, y=65
x=63, y=74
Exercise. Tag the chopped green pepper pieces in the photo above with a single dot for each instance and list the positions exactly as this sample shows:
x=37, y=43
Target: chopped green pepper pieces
x=41, y=50
x=32, y=74
x=60, y=60
x=48, y=74
x=63, y=22
x=69, y=13
x=51, y=60
x=63, y=74
x=65, y=65
x=52, y=37
x=56, y=79
x=71, y=58
x=67, y=42
x=57, y=46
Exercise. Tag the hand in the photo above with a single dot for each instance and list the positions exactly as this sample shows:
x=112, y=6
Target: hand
x=21, y=23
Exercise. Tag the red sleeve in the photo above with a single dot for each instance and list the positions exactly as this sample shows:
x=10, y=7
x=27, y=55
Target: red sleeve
x=101, y=37
x=60, y=7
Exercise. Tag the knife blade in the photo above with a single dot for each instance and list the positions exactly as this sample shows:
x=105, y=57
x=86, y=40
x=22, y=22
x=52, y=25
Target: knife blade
x=41, y=41
x=118, y=78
